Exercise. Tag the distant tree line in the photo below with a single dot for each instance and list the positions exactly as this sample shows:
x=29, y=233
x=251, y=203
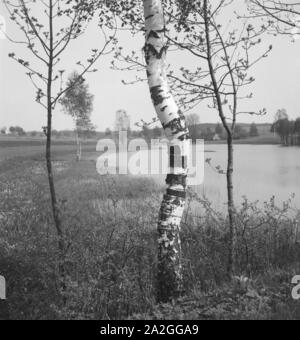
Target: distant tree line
x=13, y=130
x=287, y=130
x=20, y=132
x=208, y=132
x=217, y=132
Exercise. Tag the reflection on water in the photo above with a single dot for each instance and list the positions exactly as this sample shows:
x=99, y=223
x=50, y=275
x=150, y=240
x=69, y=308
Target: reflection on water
x=261, y=171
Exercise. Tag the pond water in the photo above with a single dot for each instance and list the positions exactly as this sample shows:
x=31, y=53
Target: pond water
x=260, y=172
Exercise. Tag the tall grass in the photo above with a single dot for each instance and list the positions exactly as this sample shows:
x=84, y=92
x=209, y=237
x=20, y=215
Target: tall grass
x=110, y=229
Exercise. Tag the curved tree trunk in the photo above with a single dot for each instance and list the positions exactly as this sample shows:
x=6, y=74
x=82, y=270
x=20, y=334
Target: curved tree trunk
x=170, y=275
x=230, y=131
x=54, y=202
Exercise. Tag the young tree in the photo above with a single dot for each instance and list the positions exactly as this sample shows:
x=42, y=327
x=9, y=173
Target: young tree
x=77, y=102
x=48, y=28
x=222, y=56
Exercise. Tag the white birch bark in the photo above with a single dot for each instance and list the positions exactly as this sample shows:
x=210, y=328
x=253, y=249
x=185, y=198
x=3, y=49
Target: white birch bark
x=170, y=275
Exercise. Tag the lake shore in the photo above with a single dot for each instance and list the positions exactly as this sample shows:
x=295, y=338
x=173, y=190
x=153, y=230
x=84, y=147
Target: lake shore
x=268, y=139
x=7, y=140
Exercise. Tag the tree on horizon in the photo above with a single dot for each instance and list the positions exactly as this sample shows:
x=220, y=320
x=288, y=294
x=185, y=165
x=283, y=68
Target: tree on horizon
x=77, y=102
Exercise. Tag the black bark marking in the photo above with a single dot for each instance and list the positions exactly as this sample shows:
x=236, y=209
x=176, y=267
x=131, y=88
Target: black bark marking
x=173, y=179
x=150, y=49
x=163, y=30
x=175, y=157
x=184, y=162
x=156, y=95
x=171, y=200
x=172, y=157
x=149, y=16
x=177, y=125
x=176, y=193
x=153, y=34
x=184, y=137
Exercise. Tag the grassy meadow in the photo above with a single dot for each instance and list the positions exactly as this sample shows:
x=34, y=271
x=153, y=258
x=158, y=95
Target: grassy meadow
x=110, y=228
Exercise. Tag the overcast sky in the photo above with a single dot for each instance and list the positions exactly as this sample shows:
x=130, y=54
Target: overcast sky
x=277, y=85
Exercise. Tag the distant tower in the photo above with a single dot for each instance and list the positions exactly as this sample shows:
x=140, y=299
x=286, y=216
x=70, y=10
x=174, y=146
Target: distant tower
x=122, y=121
x=122, y=124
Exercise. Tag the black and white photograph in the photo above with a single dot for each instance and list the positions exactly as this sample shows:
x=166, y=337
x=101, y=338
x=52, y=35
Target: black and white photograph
x=149, y=162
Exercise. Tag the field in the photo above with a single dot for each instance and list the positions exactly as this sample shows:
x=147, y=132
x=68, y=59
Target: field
x=110, y=227
x=34, y=148
x=266, y=138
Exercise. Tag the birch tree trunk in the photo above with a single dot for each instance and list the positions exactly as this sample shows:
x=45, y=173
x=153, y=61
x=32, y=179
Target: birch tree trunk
x=170, y=274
